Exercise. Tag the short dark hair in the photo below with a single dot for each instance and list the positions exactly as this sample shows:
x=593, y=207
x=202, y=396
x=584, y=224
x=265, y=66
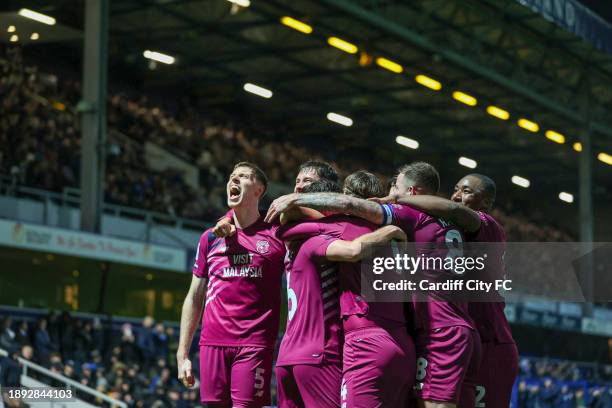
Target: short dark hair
x=323, y=169
x=489, y=188
x=322, y=186
x=363, y=184
x=422, y=175
x=391, y=183
x=260, y=176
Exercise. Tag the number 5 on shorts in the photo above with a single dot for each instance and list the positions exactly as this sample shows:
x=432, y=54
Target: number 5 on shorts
x=260, y=381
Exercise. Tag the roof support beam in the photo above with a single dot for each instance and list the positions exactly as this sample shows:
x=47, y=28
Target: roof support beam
x=418, y=40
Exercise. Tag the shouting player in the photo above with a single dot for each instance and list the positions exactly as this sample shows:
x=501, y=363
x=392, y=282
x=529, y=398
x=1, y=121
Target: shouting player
x=308, y=172
x=499, y=363
x=447, y=344
x=309, y=365
x=237, y=280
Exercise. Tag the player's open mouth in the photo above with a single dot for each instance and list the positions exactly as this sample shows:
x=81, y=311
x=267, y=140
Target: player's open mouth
x=234, y=192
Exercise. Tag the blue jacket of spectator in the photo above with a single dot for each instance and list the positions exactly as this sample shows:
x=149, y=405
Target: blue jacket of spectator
x=42, y=345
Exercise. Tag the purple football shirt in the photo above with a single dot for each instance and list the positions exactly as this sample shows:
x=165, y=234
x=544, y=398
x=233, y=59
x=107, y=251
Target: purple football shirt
x=314, y=332
x=244, y=275
x=436, y=310
x=351, y=302
x=489, y=317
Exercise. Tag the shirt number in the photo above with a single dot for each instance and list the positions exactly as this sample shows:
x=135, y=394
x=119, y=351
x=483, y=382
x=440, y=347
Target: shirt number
x=260, y=381
x=291, y=298
x=454, y=243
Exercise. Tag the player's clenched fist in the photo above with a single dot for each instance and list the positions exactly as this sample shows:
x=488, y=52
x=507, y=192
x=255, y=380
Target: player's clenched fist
x=185, y=374
x=224, y=228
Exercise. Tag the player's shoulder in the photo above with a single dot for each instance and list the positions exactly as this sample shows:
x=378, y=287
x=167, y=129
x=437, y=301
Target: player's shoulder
x=488, y=220
x=490, y=227
x=208, y=236
x=260, y=227
x=403, y=211
x=267, y=231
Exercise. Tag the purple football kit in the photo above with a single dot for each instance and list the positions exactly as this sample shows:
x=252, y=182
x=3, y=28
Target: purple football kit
x=447, y=344
x=378, y=355
x=241, y=314
x=499, y=363
x=309, y=364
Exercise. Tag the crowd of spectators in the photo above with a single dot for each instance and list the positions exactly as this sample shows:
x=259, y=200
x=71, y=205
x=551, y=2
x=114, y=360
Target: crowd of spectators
x=133, y=363
x=40, y=147
x=545, y=383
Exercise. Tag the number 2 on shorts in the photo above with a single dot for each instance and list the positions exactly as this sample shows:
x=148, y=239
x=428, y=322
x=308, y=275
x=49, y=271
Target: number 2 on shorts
x=480, y=393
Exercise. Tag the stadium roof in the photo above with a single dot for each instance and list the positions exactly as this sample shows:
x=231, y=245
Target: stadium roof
x=502, y=53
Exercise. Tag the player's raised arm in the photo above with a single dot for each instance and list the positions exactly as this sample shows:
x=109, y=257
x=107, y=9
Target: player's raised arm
x=460, y=215
x=333, y=202
x=353, y=251
x=190, y=317
x=299, y=214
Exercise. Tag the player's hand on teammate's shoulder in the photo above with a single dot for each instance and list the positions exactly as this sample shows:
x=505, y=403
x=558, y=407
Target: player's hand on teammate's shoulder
x=185, y=373
x=224, y=228
x=280, y=205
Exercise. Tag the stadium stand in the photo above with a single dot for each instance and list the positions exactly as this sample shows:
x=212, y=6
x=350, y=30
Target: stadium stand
x=40, y=138
x=126, y=359
x=132, y=360
x=565, y=384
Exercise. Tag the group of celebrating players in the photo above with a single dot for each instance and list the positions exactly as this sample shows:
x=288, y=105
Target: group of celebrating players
x=339, y=350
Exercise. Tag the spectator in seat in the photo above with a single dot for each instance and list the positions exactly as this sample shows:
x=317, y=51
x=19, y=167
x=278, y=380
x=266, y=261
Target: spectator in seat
x=27, y=352
x=7, y=335
x=605, y=399
x=10, y=369
x=69, y=370
x=42, y=343
x=580, y=399
x=129, y=350
x=67, y=335
x=161, y=341
x=22, y=337
x=146, y=341
x=566, y=398
x=548, y=395
x=97, y=334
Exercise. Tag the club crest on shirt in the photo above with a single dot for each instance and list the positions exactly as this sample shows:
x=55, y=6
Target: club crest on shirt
x=263, y=247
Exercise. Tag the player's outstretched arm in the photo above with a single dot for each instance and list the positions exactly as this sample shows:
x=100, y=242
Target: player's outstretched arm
x=298, y=214
x=460, y=215
x=190, y=317
x=332, y=202
x=353, y=251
